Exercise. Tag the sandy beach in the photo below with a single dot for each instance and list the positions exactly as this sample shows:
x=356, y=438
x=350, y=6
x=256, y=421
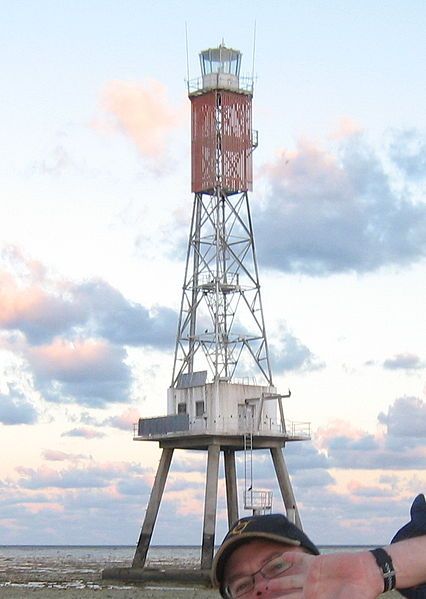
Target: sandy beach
x=16, y=592
x=126, y=592
x=77, y=574
x=65, y=575
x=88, y=584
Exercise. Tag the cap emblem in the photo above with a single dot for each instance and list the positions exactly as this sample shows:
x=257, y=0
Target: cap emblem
x=239, y=527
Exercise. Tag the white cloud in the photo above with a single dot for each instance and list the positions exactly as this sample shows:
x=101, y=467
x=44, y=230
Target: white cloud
x=337, y=210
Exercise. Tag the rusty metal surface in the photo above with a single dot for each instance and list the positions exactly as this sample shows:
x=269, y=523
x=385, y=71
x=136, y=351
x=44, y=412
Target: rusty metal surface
x=203, y=142
x=237, y=171
x=221, y=141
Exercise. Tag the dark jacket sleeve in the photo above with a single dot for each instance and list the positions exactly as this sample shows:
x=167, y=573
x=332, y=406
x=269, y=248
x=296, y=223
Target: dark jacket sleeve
x=415, y=528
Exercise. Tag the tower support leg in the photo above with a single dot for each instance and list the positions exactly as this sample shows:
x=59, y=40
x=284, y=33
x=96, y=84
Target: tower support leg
x=231, y=486
x=285, y=485
x=210, y=503
x=152, y=509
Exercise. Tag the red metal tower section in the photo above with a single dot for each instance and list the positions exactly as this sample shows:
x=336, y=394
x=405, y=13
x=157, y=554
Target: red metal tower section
x=224, y=117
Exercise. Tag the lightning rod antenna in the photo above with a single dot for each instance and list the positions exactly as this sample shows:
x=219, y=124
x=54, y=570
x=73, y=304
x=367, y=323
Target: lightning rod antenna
x=187, y=55
x=254, y=50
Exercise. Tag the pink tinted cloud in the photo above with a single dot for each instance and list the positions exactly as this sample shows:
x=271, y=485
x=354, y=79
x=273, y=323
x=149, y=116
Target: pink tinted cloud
x=187, y=503
x=32, y=303
x=346, y=127
x=97, y=476
x=360, y=489
x=36, y=508
x=143, y=113
x=67, y=359
x=84, y=432
x=17, y=300
x=54, y=455
x=307, y=168
x=125, y=420
x=27, y=268
x=336, y=429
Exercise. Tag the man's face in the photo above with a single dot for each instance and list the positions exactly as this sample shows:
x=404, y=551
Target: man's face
x=251, y=558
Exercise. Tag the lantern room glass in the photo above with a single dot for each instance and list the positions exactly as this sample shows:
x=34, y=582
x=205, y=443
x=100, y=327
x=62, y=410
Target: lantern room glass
x=220, y=60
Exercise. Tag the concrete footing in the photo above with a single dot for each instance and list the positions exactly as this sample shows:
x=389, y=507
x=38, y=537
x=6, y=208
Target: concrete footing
x=159, y=577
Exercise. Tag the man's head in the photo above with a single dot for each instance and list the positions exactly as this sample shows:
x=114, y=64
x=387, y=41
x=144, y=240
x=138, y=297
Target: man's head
x=252, y=546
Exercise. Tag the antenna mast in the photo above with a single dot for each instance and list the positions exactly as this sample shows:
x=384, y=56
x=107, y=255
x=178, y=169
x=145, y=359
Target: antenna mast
x=254, y=50
x=187, y=55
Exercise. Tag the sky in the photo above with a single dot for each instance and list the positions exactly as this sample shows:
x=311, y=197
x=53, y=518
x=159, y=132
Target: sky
x=95, y=208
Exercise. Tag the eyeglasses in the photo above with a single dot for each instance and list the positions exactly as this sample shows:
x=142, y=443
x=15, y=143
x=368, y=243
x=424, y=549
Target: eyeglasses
x=244, y=584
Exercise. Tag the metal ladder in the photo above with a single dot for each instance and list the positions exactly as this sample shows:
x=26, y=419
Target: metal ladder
x=248, y=461
x=257, y=500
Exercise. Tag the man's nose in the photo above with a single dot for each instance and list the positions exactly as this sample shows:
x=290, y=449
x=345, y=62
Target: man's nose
x=260, y=586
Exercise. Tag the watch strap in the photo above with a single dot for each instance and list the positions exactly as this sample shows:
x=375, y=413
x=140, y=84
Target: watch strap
x=384, y=561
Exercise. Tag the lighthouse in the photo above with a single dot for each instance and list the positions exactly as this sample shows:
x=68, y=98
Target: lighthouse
x=221, y=398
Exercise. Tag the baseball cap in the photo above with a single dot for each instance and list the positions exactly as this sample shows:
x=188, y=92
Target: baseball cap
x=273, y=527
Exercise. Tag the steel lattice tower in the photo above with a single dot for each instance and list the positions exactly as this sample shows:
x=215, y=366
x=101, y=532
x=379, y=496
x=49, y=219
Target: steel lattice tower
x=221, y=313
x=216, y=402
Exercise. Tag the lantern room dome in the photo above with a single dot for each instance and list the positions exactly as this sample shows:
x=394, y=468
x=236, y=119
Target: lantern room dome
x=220, y=60
x=220, y=68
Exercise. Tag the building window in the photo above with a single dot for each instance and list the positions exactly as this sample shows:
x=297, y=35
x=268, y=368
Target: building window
x=199, y=409
x=181, y=408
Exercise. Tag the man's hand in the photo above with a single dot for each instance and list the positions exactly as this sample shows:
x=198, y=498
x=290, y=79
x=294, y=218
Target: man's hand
x=335, y=576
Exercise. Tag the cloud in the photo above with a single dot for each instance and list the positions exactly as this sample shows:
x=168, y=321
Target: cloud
x=186, y=461
x=318, y=478
x=406, y=417
x=43, y=308
x=91, y=372
x=401, y=448
x=408, y=152
x=142, y=112
x=359, y=489
x=289, y=353
x=83, y=499
x=47, y=478
x=54, y=455
x=135, y=486
x=15, y=408
x=84, y=433
x=58, y=162
x=125, y=420
x=93, y=477
x=404, y=362
x=347, y=498
x=304, y=456
x=77, y=492
x=346, y=127
x=351, y=515
x=73, y=336
x=112, y=316
x=335, y=211
x=33, y=310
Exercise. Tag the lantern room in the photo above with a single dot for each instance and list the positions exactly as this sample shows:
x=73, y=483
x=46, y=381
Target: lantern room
x=220, y=68
x=222, y=138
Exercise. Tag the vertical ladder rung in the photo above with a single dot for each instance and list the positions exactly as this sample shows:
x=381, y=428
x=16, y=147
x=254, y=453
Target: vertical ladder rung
x=248, y=459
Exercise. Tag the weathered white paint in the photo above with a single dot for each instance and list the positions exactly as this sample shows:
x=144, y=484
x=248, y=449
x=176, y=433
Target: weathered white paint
x=228, y=407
